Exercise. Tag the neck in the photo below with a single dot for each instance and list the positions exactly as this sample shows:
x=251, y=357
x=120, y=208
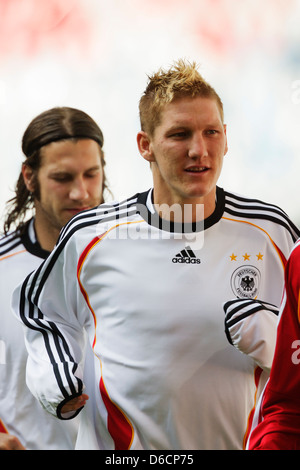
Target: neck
x=46, y=238
x=193, y=209
x=46, y=233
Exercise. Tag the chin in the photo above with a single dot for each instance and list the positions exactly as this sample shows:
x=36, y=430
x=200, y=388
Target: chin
x=196, y=194
x=202, y=192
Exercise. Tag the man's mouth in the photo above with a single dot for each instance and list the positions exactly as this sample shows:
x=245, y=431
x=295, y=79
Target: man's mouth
x=196, y=169
x=77, y=209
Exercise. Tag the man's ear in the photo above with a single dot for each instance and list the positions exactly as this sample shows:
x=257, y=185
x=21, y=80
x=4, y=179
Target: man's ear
x=28, y=177
x=144, y=146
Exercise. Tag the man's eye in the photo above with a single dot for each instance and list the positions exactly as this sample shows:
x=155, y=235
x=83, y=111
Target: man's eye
x=61, y=178
x=179, y=135
x=212, y=131
x=92, y=175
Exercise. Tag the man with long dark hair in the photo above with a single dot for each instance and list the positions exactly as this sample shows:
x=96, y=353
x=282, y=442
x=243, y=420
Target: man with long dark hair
x=63, y=174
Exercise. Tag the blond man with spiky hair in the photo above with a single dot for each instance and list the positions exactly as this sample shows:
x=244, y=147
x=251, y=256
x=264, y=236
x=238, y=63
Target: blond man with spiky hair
x=176, y=105
x=147, y=279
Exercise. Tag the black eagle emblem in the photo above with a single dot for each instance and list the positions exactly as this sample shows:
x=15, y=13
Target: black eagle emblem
x=247, y=283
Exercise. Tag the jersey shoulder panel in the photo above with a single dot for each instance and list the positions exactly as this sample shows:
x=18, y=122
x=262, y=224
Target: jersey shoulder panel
x=104, y=213
x=83, y=224
x=254, y=209
x=9, y=243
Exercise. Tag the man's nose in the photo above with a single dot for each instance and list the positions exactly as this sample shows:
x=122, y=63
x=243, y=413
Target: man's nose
x=78, y=191
x=198, y=147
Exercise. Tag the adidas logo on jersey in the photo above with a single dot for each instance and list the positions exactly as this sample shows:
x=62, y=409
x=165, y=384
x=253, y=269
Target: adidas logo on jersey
x=186, y=256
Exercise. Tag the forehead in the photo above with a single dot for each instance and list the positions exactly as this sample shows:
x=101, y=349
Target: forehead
x=187, y=110
x=70, y=154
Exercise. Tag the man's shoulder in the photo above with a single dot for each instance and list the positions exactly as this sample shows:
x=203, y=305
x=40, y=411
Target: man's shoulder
x=9, y=243
x=253, y=209
x=243, y=203
x=101, y=215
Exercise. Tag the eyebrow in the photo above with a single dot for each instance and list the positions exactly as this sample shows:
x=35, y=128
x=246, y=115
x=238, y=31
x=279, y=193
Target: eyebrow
x=70, y=172
x=188, y=126
x=55, y=173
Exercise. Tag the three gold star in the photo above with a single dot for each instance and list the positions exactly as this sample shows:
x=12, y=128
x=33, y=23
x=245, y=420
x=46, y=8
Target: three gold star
x=246, y=257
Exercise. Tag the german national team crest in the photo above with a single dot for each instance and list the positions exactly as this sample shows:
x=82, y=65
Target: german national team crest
x=245, y=282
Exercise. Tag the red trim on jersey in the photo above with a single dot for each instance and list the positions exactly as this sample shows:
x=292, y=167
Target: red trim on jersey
x=282, y=257
x=257, y=374
x=118, y=425
x=81, y=260
x=3, y=428
x=85, y=252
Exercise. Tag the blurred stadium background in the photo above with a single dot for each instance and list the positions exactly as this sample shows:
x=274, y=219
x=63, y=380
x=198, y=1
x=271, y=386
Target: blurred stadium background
x=96, y=54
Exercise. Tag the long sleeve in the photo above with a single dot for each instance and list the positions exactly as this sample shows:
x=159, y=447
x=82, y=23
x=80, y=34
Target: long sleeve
x=54, y=335
x=250, y=326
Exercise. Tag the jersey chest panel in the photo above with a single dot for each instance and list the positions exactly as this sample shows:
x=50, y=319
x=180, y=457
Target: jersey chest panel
x=178, y=322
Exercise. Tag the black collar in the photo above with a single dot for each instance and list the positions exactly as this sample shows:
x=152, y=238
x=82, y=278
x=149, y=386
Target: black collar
x=154, y=219
x=31, y=243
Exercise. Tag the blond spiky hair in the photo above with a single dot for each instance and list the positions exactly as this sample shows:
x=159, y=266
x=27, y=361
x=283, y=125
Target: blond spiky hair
x=165, y=86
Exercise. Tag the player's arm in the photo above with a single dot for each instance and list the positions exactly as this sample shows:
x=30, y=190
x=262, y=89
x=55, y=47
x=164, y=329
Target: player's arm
x=250, y=326
x=54, y=334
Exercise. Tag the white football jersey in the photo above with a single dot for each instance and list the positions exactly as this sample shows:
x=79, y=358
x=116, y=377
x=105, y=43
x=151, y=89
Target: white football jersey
x=161, y=373
x=20, y=412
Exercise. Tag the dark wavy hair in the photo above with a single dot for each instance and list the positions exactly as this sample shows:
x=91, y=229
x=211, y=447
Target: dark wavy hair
x=53, y=125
